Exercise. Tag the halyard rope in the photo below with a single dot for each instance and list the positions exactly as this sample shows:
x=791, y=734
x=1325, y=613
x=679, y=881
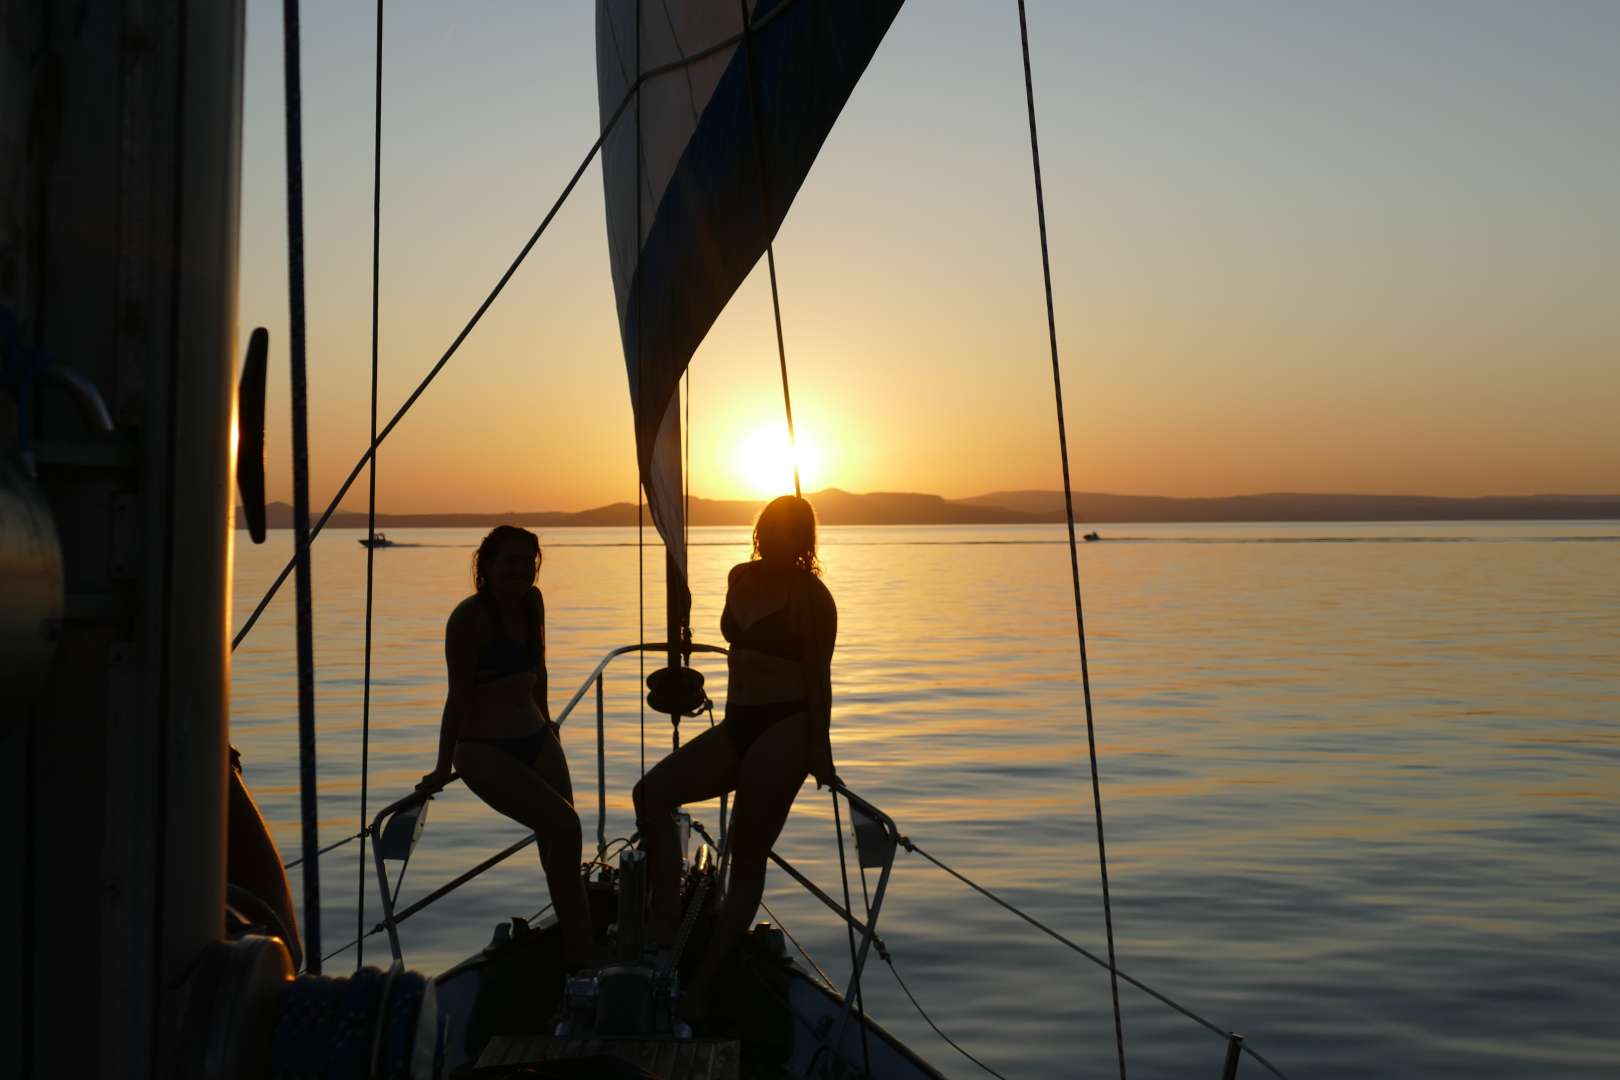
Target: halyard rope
x=371, y=497
x=770, y=248
x=1068, y=517
x=300, y=449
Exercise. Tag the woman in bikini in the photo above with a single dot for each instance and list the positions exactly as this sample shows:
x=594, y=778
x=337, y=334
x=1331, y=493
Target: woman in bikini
x=781, y=622
x=497, y=729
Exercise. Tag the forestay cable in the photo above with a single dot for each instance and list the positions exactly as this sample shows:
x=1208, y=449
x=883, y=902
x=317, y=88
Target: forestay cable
x=1068, y=517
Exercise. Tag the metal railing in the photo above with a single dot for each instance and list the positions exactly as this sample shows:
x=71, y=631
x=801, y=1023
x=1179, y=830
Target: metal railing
x=398, y=826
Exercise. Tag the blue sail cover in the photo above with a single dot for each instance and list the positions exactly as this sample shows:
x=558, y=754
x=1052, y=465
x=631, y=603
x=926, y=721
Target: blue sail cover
x=697, y=184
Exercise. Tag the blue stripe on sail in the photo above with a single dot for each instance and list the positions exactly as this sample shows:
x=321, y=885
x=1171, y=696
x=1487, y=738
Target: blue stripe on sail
x=711, y=227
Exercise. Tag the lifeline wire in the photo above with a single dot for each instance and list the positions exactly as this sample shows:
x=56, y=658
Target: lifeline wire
x=916, y=849
x=330, y=847
x=300, y=440
x=780, y=925
x=1068, y=517
x=371, y=498
x=930, y=1020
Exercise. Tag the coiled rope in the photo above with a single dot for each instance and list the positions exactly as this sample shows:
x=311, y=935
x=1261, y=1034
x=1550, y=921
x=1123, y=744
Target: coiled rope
x=360, y=1027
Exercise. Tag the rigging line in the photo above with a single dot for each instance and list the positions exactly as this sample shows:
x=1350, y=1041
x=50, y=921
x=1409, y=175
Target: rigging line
x=1068, y=517
x=633, y=92
x=351, y=838
x=854, y=958
x=887, y=959
x=371, y=495
x=780, y=925
x=866, y=904
x=641, y=476
x=344, y=948
x=916, y=849
x=300, y=439
x=686, y=478
x=433, y=373
x=770, y=246
x=641, y=630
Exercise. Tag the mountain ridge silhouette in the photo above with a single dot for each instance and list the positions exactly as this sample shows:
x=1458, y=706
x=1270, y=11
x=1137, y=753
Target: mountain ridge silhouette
x=1025, y=507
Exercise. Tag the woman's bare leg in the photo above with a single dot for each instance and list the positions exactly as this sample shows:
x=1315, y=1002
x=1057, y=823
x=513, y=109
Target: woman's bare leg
x=769, y=779
x=700, y=770
x=524, y=794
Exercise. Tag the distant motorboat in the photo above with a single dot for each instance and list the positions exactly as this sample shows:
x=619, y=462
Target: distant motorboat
x=377, y=540
x=1088, y=536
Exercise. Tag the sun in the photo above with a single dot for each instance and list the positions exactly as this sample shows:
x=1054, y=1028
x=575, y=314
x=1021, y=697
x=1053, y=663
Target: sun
x=764, y=461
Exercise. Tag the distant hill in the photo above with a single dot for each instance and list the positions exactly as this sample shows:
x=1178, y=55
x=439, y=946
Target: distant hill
x=1287, y=506
x=835, y=507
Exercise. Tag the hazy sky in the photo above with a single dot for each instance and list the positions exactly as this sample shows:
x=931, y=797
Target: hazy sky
x=1365, y=247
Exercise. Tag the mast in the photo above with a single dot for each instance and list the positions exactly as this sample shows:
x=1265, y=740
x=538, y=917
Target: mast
x=118, y=249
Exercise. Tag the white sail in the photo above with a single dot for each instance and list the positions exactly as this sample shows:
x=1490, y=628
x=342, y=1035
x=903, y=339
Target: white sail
x=699, y=166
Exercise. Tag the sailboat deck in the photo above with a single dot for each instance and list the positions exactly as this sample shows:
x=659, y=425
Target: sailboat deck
x=671, y=1059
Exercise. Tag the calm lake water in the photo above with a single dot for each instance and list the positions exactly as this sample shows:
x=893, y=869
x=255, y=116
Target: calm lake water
x=1361, y=783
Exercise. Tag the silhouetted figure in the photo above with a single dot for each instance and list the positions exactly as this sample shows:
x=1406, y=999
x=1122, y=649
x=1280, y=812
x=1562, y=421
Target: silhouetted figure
x=497, y=729
x=782, y=623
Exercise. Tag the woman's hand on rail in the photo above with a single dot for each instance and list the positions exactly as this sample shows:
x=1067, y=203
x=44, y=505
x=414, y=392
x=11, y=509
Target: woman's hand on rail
x=435, y=780
x=821, y=762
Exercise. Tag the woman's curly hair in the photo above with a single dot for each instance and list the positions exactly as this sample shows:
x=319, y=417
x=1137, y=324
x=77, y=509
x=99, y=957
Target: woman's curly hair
x=786, y=529
x=501, y=534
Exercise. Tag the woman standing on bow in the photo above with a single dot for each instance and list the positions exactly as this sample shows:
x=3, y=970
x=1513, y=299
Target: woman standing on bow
x=497, y=729
x=782, y=623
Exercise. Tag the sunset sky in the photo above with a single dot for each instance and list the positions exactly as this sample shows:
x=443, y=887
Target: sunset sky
x=1349, y=248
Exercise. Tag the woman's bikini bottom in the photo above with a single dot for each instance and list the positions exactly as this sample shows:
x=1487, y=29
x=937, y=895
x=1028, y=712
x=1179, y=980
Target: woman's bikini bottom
x=746, y=723
x=523, y=747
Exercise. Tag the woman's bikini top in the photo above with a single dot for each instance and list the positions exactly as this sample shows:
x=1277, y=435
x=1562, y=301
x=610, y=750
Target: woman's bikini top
x=501, y=655
x=772, y=634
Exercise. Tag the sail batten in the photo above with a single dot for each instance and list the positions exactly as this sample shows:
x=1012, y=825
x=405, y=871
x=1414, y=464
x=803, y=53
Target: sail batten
x=684, y=169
